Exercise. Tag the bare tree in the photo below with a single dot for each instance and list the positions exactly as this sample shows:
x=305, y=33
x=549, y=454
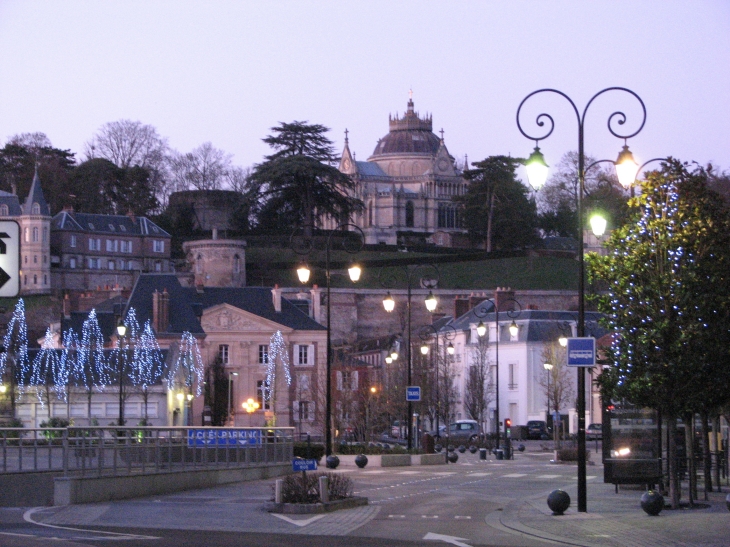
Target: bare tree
x=560, y=389
x=127, y=143
x=479, y=382
x=238, y=179
x=205, y=168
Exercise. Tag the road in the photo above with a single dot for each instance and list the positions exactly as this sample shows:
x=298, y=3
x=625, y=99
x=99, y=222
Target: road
x=421, y=505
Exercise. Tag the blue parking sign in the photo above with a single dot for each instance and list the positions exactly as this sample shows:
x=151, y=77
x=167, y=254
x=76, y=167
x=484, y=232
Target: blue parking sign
x=413, y=393
x=582, y=352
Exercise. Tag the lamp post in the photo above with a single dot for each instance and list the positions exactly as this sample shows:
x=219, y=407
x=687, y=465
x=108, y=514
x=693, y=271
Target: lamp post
x=231, y=416
x=449, y=333
x=302, y=245
x=388, y=280
x=549, y=369
x=481, y=311
x=121, y=333
x=626, y=170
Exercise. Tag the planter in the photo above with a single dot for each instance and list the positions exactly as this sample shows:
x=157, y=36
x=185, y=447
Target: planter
x=314, y=508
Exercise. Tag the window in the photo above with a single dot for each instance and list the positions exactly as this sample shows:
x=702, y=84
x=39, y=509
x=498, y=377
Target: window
x=158, y=246
x=125, y=246
x=72, y=241
x=112, y=245
x=45, y=259
x=45, y=235
x=158, y=266
x=45, y=279
x=72, y=262
x=199, y=265
x=409, y=214
x=512, y=376
x=94, y=263
x=4, y=210
x=303, y=382
x=447, y=216
x=25, y=280
x=35, y=209
x=94, y=244
x=111, y=228
x=236, y=264
x=346, y=380
x=91, y=226
x=122, y=227
x=35, y=279
x=25, y=258
x=303, y=411
x=26, y=234
x=35, y=234
x=303, y=355
x=121, y=264
x=111, y=265
x=261, y=389
x=223, y=353
x=263, y=354
x=35, y=259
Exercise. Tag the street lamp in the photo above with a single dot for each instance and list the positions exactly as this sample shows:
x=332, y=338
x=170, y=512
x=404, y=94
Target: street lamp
x=481, y=311
x=121, y=333
x=353, y=241
x=249, y=405
x=449, y=333
x=548, y=368
x=430, y=302
x=626, y=170
x=231, y=418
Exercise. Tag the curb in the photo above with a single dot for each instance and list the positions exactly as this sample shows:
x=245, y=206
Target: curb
x=315, y=508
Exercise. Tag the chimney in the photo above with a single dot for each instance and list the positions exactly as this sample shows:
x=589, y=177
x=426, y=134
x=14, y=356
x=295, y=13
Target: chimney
x=164, y=310
x=475, y=299
x=215, y=233
x=276, y=294
x=132, y=216
x=66, y=306
x=68, y=209
x=504, y=297
x=316, y=311
x=156, y=311
x=461, y=306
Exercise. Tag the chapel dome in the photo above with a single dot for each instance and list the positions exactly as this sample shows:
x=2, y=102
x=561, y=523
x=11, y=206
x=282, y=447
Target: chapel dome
x=408, y=135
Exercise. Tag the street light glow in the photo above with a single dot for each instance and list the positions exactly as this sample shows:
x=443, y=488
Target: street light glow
x=481, y=329
x=431, y=302
x=598, y=224
x=303, y=273
x=388, y=303
x=354, y=271
x=537, y=169
x=626, y=167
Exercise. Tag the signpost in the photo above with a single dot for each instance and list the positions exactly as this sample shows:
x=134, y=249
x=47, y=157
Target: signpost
x=413, y=393
x=9, y=258
x=304, y=465
x=582, y=352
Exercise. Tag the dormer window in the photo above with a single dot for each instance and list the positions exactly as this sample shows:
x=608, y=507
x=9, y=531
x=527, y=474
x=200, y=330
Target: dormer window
x=122, y=227
x=91, y=226
x=36, y=209
x=4, y=210
x=111, y=228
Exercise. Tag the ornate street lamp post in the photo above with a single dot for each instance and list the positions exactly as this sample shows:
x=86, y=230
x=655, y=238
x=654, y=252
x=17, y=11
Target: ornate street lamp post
x=389, y=280
x=229, y=412
x=353, y=240
x=481, y=311
x=121, y=367
x=549, y=370
x=626, y=170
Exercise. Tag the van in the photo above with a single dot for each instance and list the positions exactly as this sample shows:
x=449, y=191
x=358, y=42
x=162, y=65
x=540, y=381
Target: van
x=537, y=429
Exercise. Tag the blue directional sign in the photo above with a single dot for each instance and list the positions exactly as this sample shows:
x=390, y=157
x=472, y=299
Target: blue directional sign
x=9, y=258
x=582, y=352
x=224, y=437
x=413, y=393
x=304, y=465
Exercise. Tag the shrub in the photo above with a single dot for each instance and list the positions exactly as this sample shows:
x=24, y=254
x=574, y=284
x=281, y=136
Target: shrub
x=316, y=451
x=54, y=422
x=570, y=454
x=304, y=488
x=12, y=422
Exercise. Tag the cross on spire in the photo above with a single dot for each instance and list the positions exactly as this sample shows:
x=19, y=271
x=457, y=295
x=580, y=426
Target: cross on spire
x=442, y=133
x=346, y=132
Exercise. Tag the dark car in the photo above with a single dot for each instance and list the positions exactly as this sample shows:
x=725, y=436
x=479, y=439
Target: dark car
x=537, y=429
x=460, y=432
x=594, y=432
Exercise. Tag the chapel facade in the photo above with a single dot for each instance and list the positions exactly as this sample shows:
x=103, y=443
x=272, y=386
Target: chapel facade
x=407, y=185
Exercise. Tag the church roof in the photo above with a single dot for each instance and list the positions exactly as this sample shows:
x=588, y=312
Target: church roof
x=410, y=134
x=369, y=169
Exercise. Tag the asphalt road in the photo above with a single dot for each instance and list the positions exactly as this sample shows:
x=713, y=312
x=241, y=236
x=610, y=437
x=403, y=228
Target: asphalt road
x=421, y=505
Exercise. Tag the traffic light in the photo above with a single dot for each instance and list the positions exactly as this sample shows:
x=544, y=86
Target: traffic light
x=507, y=426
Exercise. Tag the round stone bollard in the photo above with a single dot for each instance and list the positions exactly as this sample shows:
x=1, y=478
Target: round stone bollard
x=727, y=502
x=473, y=449
x=438, y=448
x=332, y=462
x=453, y=457
x=521, y=447
x=652, y=502
x=361, y=460
x=558, y=501
x=462, y=448
x=450, y=448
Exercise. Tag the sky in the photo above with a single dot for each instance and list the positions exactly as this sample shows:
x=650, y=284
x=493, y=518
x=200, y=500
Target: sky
x=225, y=72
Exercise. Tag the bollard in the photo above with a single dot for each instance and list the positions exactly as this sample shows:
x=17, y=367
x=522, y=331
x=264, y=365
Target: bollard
x=482, y=453
x=324, y=492
x=558, y=501
x=453, y=457
x=499, y=453
x=361, y=460
x=652, y=502
x=277, y=492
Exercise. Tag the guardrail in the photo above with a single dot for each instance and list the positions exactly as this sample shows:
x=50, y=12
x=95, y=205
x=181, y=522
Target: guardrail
x=121, y=451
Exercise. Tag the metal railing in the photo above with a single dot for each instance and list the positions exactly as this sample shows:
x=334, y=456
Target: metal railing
x=119, y=451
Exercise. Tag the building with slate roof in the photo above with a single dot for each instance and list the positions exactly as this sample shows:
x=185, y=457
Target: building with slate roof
x=522, y=377
x=236, y=325
x=407, y=185
x=91, y=250
x=34, y=218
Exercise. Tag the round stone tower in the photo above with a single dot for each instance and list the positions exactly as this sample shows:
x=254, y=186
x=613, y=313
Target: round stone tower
x=217, y=262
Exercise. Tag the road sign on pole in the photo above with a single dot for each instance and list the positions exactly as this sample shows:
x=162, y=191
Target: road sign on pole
x=413, y=393
x=9, y=258
x=582, y=352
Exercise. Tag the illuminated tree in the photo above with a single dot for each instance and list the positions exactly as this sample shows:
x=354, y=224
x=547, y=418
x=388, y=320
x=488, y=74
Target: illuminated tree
x=277, y=354
x=14, y=364
x=92, y=371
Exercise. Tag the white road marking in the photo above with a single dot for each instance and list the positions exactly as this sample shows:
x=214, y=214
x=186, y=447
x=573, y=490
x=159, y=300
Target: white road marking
x=298, y=522
x=547, y=476
x=514, y=475
x=447, y=539
x=431, y=517
x=408, y=472
x=462, y=517
x=479, y=474
x=396, y=516
x=109, y=536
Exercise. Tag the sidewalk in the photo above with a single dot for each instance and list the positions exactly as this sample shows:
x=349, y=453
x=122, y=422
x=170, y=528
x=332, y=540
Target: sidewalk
x=617, y=520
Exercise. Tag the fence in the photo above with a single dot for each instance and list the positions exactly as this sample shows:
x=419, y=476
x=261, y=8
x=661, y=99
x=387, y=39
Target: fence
x=122, y=451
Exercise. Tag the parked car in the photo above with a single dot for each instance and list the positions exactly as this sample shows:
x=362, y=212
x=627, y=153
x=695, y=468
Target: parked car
x=537, y=429
x=459, y=432
x=594, y=432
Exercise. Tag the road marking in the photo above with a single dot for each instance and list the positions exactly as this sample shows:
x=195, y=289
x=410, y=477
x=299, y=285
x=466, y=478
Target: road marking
x=588, y=477
x=479, y=474
x=514, y=475
x=445, y=474
x=28, y=517
x=298, y=522
x=375, y=472
x=396, y=516
x=462, y=517
x=431, y=517
x=547, y=476
x=408, y=472
x=447, y=539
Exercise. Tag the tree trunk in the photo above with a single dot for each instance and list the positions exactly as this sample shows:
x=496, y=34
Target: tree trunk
x=690, y=451
x=674, y=485
x=706, y=453
x=715, y=449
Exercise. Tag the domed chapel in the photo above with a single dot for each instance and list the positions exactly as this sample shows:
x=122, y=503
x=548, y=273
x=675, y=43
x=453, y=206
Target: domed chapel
x=407, y=185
